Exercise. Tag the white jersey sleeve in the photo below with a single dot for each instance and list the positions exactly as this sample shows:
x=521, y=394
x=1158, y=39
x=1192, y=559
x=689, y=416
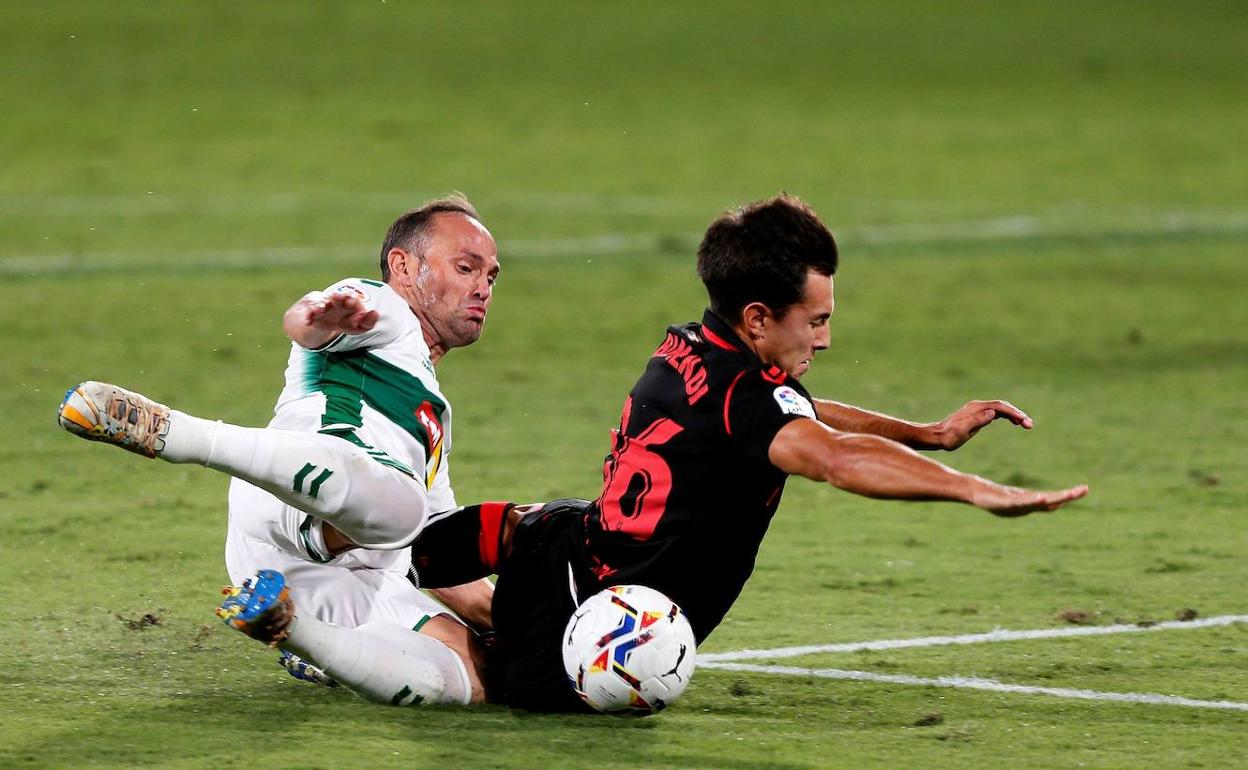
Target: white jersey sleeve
x=394, y=317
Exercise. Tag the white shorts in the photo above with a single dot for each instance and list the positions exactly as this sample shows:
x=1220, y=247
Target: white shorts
x=352, y=589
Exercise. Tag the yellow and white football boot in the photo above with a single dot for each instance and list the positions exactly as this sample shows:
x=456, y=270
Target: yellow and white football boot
x=99, y=411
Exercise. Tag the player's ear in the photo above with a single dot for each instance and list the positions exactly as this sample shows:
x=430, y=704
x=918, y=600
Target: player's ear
x=754, y=317
x=398, y=259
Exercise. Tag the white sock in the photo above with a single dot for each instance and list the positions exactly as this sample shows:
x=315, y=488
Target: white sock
x=374, y=505
x=189, y=439
x=383, y=661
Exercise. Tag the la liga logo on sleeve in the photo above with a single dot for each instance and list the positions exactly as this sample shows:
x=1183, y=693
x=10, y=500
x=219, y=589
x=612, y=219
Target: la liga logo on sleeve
x=350, y=288
x=792, y=402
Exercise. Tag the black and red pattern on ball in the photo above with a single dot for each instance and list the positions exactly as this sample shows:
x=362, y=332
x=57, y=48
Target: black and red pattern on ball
x=624, y=674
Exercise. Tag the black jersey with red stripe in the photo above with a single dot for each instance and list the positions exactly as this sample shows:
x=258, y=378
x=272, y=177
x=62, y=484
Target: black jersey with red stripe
x=688, y=488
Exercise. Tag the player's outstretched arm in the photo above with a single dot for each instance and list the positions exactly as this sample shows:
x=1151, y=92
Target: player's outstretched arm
x=949, y=433
x=318, y=317
x=874, y=466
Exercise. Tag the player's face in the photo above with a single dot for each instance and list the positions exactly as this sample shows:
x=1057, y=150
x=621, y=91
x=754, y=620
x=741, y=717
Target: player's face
x=791, y=342
x=454, y=283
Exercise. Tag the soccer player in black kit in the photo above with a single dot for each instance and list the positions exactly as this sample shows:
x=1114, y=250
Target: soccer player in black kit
x=707, y=438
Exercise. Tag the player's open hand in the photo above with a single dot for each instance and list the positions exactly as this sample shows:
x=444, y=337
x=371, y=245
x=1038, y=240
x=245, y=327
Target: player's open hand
x=1009, y=502
x=958, y=428
x=340, y=312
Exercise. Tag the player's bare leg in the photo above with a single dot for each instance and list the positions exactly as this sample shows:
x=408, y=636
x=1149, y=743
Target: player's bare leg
x=466, y=644
x=376, y=506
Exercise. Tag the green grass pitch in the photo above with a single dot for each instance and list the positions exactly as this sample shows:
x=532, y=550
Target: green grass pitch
x=1041, y=202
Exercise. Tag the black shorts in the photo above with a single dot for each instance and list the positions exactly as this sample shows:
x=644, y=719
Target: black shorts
x=533, y=600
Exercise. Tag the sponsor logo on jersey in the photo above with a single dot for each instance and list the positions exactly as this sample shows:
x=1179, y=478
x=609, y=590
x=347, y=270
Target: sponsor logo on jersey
x=792, y=402
x=433, y=430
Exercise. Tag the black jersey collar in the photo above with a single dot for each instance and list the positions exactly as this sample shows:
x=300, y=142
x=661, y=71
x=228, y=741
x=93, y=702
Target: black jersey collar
x=719, y=333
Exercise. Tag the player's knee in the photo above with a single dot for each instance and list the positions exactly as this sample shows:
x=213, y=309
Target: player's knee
x=382, y=508
x=382, y=527
x=388, y=533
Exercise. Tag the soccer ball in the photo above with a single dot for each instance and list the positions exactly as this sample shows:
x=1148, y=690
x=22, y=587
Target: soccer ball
x=628, y=649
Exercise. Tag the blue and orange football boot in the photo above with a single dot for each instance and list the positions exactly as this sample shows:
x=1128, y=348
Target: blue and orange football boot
x=260, y=608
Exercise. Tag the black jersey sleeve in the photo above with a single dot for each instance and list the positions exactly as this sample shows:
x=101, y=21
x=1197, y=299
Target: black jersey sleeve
x=758, y=404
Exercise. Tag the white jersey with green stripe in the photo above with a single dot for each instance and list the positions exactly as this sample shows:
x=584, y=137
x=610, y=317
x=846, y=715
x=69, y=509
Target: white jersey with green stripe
x=377, y=390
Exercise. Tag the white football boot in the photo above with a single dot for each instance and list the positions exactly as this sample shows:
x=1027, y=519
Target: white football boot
x=99, y=411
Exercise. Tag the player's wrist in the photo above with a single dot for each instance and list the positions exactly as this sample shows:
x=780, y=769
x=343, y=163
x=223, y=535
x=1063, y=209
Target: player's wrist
x=929, y=435
x=978, y=491
x=311, y=337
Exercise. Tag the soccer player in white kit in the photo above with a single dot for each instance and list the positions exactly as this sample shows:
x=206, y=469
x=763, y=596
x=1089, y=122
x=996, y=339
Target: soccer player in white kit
x=359, y=438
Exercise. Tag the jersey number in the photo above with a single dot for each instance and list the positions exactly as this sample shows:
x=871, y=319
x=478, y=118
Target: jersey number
x=638, y=481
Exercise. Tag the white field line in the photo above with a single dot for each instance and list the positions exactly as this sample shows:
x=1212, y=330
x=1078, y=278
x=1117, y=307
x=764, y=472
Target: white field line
x=596, y=203
x=975, y=683
x=158, y=203
x=1025, y=226
x=588, y=246
x=999, y=635
x=155, y=203
x=994, y=229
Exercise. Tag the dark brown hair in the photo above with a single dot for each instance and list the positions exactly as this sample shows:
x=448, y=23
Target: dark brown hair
x=410, y=230
x=761, y=252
